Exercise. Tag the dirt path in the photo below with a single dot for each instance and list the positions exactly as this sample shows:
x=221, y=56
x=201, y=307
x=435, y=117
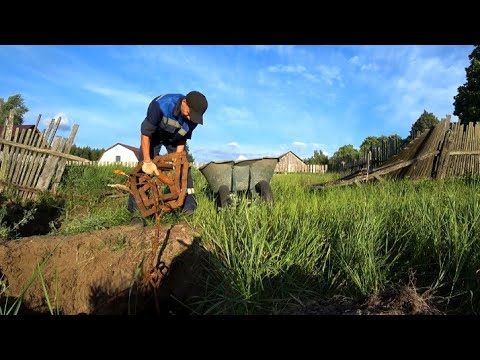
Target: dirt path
x=95, y=272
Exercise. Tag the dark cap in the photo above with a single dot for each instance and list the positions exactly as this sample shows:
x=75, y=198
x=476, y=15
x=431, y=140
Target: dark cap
x=198, y=104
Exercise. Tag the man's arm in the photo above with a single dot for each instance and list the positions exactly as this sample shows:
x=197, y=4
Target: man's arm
x=148, y=167
x=181, y=146
x=148, y=127
x=145, y=141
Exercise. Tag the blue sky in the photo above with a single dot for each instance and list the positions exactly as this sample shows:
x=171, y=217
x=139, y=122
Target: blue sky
x=263, y=100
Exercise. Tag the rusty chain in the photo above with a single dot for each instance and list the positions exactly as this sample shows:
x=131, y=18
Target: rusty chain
x=148, y=194
x=156, y=273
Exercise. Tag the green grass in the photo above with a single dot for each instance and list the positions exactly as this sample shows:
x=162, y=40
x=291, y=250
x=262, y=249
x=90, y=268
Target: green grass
x=354, y=241
x=88, y=205
x=345, y=240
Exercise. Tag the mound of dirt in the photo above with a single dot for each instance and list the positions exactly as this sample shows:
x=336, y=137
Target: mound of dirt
x=100, y=272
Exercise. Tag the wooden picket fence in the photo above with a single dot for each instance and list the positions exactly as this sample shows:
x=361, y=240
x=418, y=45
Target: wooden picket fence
x=32, y=161
x=131, y=164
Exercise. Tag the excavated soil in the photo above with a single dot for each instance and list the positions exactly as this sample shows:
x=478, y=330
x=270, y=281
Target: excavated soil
x=100, y=272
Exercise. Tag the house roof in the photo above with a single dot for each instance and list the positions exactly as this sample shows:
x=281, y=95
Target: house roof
x=20, y=128
x=293, y=154
x=135, y=150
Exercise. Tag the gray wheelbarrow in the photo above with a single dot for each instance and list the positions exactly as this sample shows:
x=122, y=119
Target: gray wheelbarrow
x=226, y=178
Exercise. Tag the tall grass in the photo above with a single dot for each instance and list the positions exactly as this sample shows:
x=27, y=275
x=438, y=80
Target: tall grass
x=349, y=240
x=354, y=241
x=87, y=207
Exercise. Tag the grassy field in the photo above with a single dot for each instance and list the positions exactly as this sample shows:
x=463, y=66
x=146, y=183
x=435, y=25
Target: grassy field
x=353, y=241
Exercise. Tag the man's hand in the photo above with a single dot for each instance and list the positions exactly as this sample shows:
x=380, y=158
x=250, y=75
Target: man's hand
x=150, y=168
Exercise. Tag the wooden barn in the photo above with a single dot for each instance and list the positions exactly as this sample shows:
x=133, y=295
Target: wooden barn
x=289, y=162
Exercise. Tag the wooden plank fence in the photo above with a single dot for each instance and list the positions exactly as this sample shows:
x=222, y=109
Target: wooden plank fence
x=461, y=151
x=374, y=156
x=32, y=161
x=102, y=163
x=303, y=168
x=447, y=150
x=298, y=168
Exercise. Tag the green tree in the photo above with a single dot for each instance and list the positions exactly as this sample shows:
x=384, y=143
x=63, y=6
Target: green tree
x=425, y=121
x=344, y=155
x=370, y=141
x=467, y=101
x=86, y=152
x=15, y=103
x=318, y=158
x=189, y=154
x=395, y=137
x=345, y=152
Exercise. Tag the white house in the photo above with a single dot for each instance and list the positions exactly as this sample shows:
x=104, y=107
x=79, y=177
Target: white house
x=120, y=153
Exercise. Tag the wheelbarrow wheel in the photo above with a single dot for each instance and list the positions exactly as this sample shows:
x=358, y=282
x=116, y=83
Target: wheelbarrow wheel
x=223, y=196
x=265, y=191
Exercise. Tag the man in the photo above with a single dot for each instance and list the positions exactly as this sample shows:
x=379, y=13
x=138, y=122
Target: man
x=170, y=121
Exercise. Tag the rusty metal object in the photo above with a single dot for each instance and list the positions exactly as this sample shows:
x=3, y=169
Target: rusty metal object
x=159, y=194
x=164, y=192
x=157, y=270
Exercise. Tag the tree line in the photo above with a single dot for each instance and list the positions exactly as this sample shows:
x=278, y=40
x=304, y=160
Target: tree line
x=87, y=152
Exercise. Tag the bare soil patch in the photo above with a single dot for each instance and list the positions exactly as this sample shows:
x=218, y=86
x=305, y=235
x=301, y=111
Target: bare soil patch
x=100, y=272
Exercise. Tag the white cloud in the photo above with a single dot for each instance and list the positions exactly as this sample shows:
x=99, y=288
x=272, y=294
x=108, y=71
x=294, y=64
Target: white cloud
x=354, y=60
x=299, y=144
x=123, y=97
x=237, y=116
x=428, y=83
x=329, y=73
x=287, y=69
x=281, y=50
x=369, y=67
x=310, y=77
x=241, y=157
x=233, y=144
x=64, y=122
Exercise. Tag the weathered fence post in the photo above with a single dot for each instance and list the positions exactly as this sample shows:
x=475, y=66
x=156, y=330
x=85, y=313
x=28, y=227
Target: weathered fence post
x=6, y=149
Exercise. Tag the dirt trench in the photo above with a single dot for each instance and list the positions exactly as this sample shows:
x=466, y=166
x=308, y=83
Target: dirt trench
x=100, y=272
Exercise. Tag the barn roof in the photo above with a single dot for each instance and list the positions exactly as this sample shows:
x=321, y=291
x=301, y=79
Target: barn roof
x=281, y=156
